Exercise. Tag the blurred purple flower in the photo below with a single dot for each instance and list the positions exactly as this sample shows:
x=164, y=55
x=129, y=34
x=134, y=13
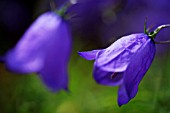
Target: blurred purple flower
x=124, y=63
x=59, y=3
x=44, y=49
x=88, y=17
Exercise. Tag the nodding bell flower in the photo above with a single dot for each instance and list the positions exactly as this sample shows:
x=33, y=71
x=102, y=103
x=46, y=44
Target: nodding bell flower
x=124, y=63
x=43, y=49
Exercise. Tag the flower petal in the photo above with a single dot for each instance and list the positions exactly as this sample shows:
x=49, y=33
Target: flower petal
x=54, y=72
x=122, y=95
x=29, y=54
x=137, y=68
x=89, y=55
x=116, y=57
x=107, y=78
x=20, y=65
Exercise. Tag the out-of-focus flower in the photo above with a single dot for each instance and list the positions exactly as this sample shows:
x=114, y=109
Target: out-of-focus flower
x=44, y=49
x=60, y=2
x=124, y=63
x=88, y=17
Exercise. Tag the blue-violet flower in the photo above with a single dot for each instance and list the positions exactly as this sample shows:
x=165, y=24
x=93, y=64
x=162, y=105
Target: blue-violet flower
x=124, y=63
x=44, y=49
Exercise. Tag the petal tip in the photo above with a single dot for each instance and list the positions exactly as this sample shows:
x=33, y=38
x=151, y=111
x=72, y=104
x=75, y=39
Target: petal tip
x=57, y=89
x=84, y=55
x=119, y=104
x=89, y=55
x=80, y=53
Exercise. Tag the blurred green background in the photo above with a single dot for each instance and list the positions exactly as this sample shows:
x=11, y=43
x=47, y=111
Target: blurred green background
x=27, y=94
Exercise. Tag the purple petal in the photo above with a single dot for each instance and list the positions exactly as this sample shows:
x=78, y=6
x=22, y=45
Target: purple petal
x=18, y=64
x=107, y=78
x=54, y=72
x=139, y=65
x=122, y=95
x=29, y=54
x=116, y=57
x=89, y=55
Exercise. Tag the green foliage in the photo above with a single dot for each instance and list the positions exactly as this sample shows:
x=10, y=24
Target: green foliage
x=27, y=94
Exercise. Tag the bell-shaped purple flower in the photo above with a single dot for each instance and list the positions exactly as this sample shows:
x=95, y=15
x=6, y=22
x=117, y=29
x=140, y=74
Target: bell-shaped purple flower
x=44, y=49
x=124, y=63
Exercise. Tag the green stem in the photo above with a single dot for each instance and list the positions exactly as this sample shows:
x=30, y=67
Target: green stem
x=153, y=34
x=62, y=11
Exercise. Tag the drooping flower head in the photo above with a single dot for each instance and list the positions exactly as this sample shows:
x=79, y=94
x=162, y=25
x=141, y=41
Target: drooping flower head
x=124, y=63
x=43, y=49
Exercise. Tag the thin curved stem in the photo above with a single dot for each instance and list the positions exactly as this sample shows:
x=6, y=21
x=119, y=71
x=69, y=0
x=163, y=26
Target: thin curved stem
x=161, y=27
x=155, y=32
x=162, y=42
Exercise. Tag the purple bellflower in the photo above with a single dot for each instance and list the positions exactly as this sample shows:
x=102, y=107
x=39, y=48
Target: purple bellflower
x=124, y=63
x=44, y=49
